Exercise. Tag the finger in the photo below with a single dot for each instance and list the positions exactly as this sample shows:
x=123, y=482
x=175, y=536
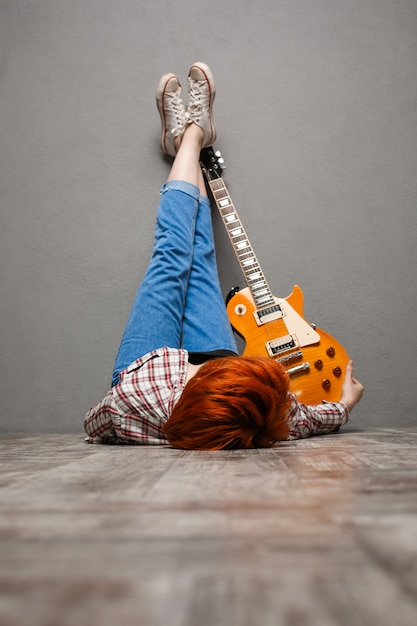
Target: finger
x=349, y=369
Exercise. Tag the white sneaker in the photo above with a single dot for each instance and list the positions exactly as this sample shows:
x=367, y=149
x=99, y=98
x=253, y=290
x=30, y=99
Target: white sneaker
x=201, y=94
x=172, y=111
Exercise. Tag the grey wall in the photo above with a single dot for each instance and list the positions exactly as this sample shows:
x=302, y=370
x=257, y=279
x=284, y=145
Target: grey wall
x=316, y=113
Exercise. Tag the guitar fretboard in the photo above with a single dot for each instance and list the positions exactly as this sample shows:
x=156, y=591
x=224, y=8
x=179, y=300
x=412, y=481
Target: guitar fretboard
x=248, y=262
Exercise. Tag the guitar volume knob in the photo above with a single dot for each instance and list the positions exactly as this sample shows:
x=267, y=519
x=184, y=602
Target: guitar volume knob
x=326, y=384
x=318, y=364
x=330, y=352
x=337, y=372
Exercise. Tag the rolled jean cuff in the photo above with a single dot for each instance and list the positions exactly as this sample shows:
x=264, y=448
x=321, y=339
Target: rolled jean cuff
x=181, y=185
x=204, y=200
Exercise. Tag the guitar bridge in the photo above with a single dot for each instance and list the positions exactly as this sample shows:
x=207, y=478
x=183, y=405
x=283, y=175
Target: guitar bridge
x=283, y=344
x=298, y=369
x=269, y=314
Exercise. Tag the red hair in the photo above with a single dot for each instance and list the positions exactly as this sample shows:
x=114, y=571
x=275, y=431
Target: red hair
x=237, y=402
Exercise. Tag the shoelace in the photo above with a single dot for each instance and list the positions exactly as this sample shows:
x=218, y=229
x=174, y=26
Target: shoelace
x=195, y=107
x=180, y=114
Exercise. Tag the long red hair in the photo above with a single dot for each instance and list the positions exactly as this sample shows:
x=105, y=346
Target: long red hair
x=237, y=402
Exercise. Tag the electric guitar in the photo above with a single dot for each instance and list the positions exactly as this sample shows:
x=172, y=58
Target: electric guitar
x=275, y=327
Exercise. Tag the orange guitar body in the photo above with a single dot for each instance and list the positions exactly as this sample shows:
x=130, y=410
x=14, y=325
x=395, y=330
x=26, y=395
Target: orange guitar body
x=319, y=371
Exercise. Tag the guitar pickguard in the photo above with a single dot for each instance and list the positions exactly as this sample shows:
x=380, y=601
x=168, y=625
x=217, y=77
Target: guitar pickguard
x=297, y=326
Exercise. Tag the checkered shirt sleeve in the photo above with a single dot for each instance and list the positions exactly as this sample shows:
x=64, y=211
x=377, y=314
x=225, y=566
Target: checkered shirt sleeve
x=319, y=419
x=135, y=410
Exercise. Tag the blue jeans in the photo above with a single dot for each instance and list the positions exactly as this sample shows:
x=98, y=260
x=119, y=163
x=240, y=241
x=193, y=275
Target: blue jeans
x=179, y=303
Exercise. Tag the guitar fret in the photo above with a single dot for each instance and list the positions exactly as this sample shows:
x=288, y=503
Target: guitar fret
x=241, y=237
x=223, y=198
x=263, y=300
x=248, y=254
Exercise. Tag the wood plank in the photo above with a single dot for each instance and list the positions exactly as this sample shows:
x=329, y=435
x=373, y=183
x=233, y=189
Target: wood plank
x=317, y=532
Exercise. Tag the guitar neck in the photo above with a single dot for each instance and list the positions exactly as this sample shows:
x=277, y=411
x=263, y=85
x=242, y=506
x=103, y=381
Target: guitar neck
x=254, y=276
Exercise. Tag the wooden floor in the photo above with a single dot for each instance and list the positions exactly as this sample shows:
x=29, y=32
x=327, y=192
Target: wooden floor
x=320, y=532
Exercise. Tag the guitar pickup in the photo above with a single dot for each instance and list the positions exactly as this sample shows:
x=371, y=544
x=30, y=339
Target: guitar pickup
x=269, y=314
x=283, y=344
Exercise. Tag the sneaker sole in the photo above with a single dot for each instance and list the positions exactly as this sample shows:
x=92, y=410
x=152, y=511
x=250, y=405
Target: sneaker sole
x=160, y=90
x=212, y=85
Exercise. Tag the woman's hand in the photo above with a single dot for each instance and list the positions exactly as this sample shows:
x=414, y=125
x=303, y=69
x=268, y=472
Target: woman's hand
x=352, y=390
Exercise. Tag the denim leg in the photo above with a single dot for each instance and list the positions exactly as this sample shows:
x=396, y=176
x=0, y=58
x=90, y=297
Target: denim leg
x=206, y=326
x=157, y=312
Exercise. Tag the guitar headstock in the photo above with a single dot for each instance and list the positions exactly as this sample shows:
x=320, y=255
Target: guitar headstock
x=212, y=163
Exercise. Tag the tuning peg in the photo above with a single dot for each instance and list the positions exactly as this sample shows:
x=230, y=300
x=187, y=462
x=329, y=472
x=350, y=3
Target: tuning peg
x=220, y=159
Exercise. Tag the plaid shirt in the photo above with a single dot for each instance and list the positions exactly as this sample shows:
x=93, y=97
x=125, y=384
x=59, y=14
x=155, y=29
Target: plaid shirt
x=135, y=410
